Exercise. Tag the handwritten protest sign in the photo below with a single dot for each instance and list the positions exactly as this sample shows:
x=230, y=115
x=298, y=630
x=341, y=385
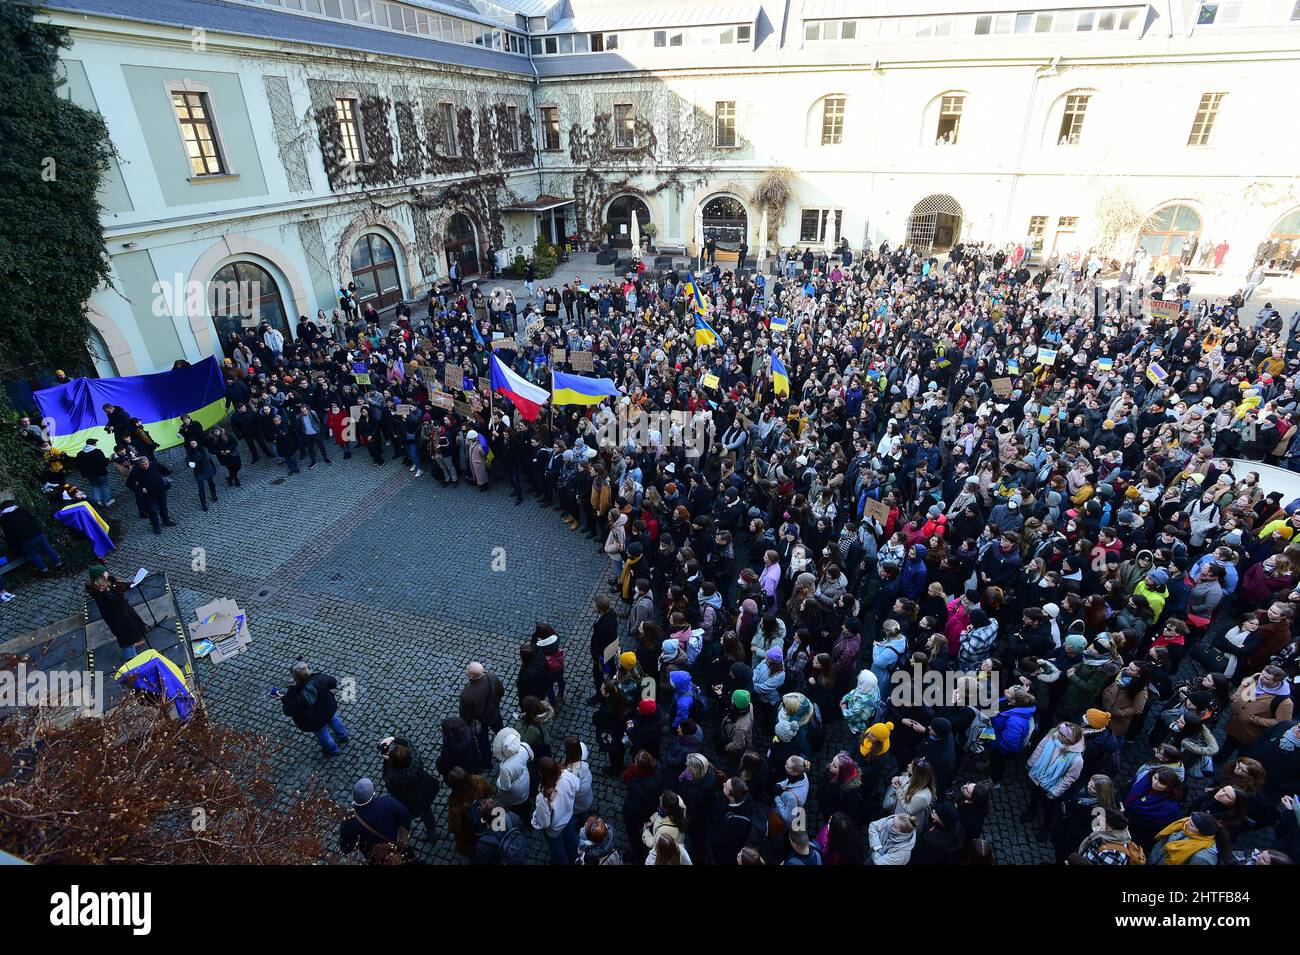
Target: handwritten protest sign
x=877, y=510
x=557, y=356
x=709, y=381
x=442, y=400
x=581, y=361
x=1002, y=386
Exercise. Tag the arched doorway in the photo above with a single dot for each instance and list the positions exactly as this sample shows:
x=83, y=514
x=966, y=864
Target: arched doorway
x=243, y=294
x=725, y=222
x=935, y=224
x=1169, y=233
x=619, y=215
x=374, y=269
x=1281, y=250
x=100, y=359
x=459, y=241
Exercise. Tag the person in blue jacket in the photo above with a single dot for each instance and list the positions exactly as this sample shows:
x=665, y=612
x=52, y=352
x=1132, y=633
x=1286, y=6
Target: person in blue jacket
x=1012, y=726
x=683, y=696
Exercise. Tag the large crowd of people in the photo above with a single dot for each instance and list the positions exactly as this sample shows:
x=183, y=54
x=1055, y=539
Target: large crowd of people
x=1014, y=482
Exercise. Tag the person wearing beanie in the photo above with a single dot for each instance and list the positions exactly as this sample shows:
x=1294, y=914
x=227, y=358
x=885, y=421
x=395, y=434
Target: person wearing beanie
x=379, y=825
x=1154, y=587
x=119, y=616
x=1097, y=719
x=875, y=742
x=1101, y=750
x=1197, y=839
x=737, y=729
x=646, y=729
x=769, y=677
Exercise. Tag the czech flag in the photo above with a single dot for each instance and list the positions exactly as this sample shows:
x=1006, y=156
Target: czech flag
x=82, y=517
x=577, y=390
x=527, y=397
x=704, y=332
x=780, y=377
x=74, y=411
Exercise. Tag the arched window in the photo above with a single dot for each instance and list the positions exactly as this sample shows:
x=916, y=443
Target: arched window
x=461, y=245
x=100, y=359
x=619, y=215
x=1281, y=249
x=243, y=294
x=726, y=222
x=1169, y=230
x=374, y=269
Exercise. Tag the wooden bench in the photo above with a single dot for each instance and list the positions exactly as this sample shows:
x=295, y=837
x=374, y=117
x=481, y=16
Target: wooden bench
x=13, y=563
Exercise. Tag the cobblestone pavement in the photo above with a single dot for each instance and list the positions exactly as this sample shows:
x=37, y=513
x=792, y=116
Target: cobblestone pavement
x=387, y=582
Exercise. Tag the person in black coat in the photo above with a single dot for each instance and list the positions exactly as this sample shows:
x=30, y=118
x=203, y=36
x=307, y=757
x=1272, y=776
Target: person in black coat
x=645, y=729
x=93, y=465
x=199, y=459
x=152, y=487
x=1278, y=751
x=245, y=424
x=645, y=784
x=603, y=632
x=533, y=679
x=972, y=802
x=310, y=703
x=459, y=748
x=226, y=448
x=941, y=839
x=940, y=750
x=24, y=537
x=731, y=823
x=123, y=622
x=407, y=780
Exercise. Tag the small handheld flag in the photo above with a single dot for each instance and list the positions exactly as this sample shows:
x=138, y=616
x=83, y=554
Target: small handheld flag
x=704, y=332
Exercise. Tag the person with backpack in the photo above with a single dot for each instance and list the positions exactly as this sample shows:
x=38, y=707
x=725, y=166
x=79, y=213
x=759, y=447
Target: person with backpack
x=596, y=844
x=499, y=834
x=1110, y=842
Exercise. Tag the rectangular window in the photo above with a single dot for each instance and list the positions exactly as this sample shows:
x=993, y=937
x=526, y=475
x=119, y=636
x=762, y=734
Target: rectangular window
x=1064, y=21
x=727, y=37
x=1295, y=11
x=1106, y=20
x=832, y=120
x=581, y=43
x=743, y=33
x=1076, y=104
x=198, y=133
x=812, y=31
x=1067, y=222
x=512, y=128
x=1002, y=23
x=1037, y=232
x=675, y=39
x=611, y=41
x=1086, y=18
x=724, y=123
x=950, y=108
x=566, y=44
x=813, y=224
x=551, y=127
x=624, y=126
x=983, y=26
x=1126, y=19
x=1024, y=22
x=333, y=10
x=535, y=43
x=661, y=37
x=551, y=44
x=447, y=120
x=831, y=30
x=943, y=26
x=1206, y=113
x=1043, y=24
x=348, y=116
x=597, y=42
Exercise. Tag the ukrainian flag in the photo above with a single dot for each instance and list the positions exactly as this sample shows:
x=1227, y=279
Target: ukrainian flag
x=82, y=517
x=577, y=390
x=780, y=323
x=74, y=411
x=780, y=377
x=693, y=292
x=704, y=332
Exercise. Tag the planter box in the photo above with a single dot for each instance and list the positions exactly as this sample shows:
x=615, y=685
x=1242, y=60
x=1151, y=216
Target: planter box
x=606, y=257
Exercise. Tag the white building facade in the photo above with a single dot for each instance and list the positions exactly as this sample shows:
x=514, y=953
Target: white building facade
x=294, y=146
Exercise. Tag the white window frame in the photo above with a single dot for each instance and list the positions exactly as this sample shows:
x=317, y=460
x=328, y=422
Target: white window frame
x=355, y=98
x=451, y=136
x=228, y=170
x=618, y=126
x=717, y=117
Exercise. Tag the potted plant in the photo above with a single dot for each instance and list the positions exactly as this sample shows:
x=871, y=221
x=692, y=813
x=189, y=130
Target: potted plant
x=649, y=230
x=609, y=229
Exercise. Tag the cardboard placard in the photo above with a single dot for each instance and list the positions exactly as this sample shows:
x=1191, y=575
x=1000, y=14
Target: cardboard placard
x=1156, y=374
x=557, y=356
x=442, y=400
x=1164, y=310
x=1002, y=387
x=611, y=652
x=225, y=625
x=462, y=409
x=362, y=379
x=453, y=378
x=1046, y=356
x=709, y=381
x=404, y=411
x=581, y=361
x=877, y=510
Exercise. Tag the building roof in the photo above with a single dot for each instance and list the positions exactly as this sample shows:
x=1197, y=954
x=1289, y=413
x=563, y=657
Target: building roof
x=595, y=17
x=268, y=23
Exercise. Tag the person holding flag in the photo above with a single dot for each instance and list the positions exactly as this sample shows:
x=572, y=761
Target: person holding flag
x=527, y=397
x=780, y=377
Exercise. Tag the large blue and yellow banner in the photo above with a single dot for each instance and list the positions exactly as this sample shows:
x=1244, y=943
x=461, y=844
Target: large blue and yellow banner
x=73, y=412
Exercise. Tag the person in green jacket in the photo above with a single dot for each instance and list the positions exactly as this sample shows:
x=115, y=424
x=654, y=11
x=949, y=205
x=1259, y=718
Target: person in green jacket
x=1085, y=681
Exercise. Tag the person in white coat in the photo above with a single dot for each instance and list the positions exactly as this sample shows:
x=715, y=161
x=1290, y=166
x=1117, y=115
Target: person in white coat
x=575, y=761
x=513, y=756
x=553, y=812
x=892, y=839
